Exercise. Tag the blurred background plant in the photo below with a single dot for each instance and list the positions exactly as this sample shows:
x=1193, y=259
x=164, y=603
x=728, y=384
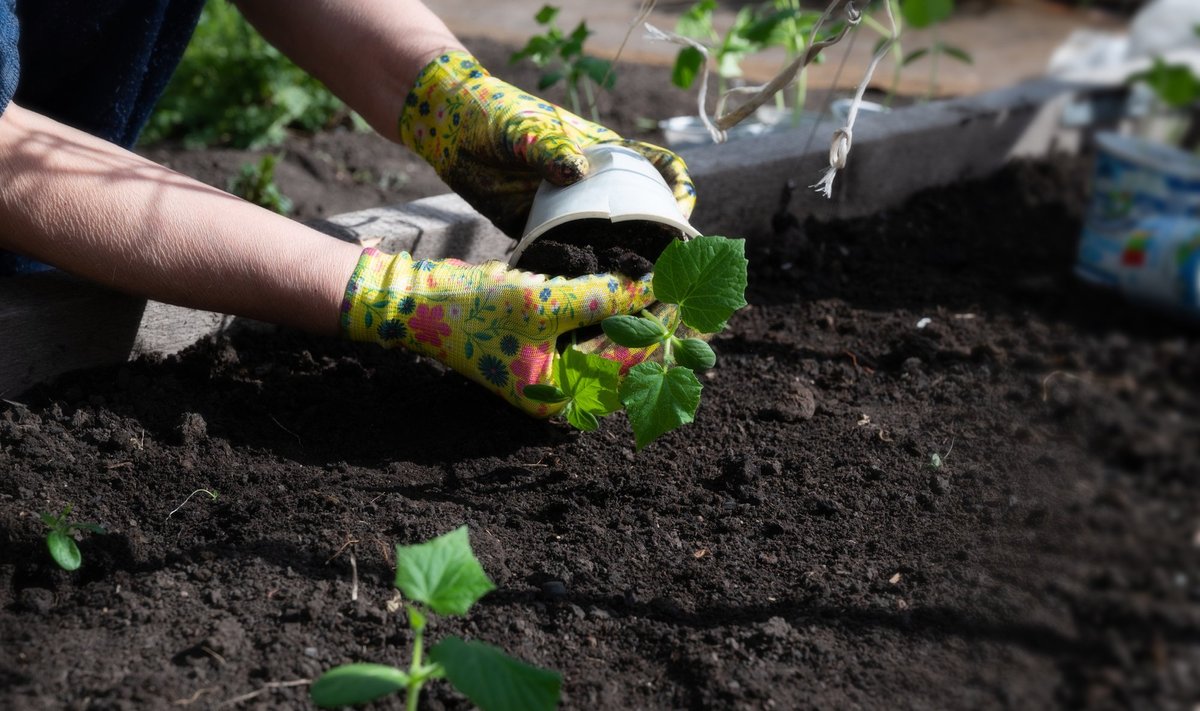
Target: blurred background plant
x=234, y=89
x=561, y=58
x=922, y=14
x=779, y=23
x=255, y=183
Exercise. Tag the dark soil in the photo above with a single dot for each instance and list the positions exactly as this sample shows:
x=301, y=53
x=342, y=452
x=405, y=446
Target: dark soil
x=794, y=548
x=591, y=246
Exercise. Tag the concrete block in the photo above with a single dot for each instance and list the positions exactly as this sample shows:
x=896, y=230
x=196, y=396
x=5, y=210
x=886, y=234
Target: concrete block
x=53, y=323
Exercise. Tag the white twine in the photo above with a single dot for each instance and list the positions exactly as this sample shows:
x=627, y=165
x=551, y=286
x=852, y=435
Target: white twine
x=653, y=33
x=839, y=149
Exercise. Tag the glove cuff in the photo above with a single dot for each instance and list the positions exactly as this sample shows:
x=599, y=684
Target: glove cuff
x=370, y=303
x=432, y=117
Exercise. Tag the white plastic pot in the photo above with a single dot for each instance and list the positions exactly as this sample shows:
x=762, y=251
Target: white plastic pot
x=620, y=185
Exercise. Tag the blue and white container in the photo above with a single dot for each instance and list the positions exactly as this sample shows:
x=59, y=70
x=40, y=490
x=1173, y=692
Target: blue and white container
x=1141, y=233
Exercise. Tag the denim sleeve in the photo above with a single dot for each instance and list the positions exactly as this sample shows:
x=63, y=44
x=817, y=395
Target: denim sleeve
x=10, y=62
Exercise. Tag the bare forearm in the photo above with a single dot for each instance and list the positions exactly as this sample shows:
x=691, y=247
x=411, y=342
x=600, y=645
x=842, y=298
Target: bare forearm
x=368, y=52
x=103, y=213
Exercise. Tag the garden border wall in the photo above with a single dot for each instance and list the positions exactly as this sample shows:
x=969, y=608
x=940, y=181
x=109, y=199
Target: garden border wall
x=53, y=323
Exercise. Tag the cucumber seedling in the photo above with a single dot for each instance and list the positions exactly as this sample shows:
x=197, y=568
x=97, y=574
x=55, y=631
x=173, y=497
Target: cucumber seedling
x=61, y=538
x=443, y=576
x=703, y=280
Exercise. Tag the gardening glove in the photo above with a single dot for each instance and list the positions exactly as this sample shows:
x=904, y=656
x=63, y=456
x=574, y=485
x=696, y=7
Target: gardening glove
x=493, y=143
x=494, y=325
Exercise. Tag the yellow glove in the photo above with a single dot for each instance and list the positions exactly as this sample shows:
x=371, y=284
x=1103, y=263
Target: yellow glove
x=493, y=143
x=494, y=325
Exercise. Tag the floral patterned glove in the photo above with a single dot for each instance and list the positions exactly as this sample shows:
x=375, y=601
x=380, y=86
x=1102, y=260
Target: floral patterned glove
x=494, y=325
x=493, y=143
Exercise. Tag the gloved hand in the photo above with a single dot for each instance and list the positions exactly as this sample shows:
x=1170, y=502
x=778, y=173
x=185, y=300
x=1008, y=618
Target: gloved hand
x=494, y=325
x=493, y=143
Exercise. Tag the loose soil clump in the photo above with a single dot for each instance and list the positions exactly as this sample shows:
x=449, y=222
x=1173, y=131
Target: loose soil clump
x=799, y=546
x=592, y=246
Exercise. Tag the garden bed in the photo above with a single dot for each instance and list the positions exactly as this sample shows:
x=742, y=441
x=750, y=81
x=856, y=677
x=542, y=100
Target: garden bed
x=796, y=547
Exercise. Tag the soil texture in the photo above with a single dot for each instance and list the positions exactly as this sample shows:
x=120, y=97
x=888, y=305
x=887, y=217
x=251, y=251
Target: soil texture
x=591, y=246
x=799, y=546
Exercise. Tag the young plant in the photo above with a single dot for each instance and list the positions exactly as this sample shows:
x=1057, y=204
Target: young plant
x=561, y=58
x=443, y=576
x=729, y=51
x=256, y=184
x=61, y=538
x=931, y=14
x=702, y=282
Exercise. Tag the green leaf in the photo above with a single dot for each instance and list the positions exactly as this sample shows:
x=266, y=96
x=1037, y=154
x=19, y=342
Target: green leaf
x=63, y=550
x=914, y=56
x=442, y=573
x=697, y=21
x=957, y=52
x=539, y=392
x=633, y=331
x=598, y=71
x=590, y=381
x=772, y=29
x=694, y=353
x=706, y=276
x=50, y=520
x=688, y=64
x=658, y=400
x=549, y=79
x=494, y=681
x=546, y=15
x=1175, y=84
x=923, y=13
x=581, y=419
x=352, y=684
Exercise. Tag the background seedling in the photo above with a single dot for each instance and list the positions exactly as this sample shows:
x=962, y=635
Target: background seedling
x=704, y=282
x=256, y=183
x=61, y=538
x=443, y=576
x=931, y=14
x=561, y=58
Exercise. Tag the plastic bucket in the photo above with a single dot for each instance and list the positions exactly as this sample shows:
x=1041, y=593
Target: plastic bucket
x=1139, y=222
x=620, y=185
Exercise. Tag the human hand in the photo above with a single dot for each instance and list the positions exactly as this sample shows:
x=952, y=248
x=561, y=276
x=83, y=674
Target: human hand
x=493, y=143
x=495, y=325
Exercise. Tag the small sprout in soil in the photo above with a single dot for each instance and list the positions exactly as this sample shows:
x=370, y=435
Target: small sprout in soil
x=704, y=279
x=443, y=576
x=61, y=538
x=936, y=460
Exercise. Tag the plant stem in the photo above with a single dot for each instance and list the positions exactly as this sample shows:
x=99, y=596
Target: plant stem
x=416, y=679
x=591, y=98
x=573, y=97
x=934, y=51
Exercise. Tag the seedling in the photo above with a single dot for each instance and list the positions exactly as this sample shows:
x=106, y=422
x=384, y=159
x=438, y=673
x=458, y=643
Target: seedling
x=256, y=183
x=704, y=281
x=561, y=58
x=931, y=14
x=444, y=577
x=61, y=538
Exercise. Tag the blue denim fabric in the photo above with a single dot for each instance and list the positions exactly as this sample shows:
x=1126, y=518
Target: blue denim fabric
x=96, y=65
